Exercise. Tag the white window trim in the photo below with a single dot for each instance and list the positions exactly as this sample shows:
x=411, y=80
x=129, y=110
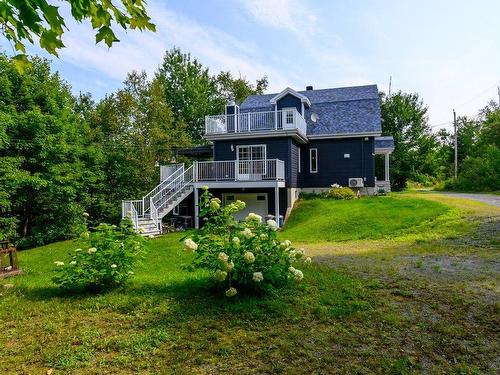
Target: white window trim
x=241, y=146
x=310, y=160
x=298, y=157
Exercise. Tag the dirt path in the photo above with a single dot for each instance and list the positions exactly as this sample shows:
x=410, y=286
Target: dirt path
x=492, y=199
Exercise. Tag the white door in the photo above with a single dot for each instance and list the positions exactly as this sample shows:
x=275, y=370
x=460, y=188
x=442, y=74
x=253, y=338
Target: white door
x=288, y=118
x=250, y=161
x=254, y=202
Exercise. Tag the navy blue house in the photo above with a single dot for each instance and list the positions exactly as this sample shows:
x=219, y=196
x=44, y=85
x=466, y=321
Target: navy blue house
x=274, y=146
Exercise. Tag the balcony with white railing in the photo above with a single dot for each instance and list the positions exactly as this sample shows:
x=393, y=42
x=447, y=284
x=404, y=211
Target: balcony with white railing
x=239, y=170
x=254, y=122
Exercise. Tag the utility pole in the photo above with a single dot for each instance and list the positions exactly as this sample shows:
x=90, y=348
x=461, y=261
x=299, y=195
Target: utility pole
x=456, y=143
x=390, y=84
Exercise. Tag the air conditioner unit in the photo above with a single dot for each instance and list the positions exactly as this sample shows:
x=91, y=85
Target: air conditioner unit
x=355, y=182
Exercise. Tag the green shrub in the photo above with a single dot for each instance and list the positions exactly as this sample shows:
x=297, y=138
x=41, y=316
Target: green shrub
x=106, y=259
x=242, y=254
x=339, y=192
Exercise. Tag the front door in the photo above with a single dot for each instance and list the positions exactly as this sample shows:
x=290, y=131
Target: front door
x=251, y=162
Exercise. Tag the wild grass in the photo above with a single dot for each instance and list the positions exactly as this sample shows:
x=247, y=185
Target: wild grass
x=366, y=306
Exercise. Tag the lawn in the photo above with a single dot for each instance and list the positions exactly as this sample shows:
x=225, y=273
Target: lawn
x=422, y=300
x=369, y=218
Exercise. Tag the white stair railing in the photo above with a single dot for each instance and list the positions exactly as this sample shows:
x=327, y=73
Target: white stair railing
x=146, y=199
x=129, y=208
x=165, y=196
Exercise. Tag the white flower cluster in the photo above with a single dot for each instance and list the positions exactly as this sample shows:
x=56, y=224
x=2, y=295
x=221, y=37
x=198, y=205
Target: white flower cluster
x=336, y=186
x=236, y=240
x=308, y=260
x=91, y=250
x=228, y=265
x=231, y=292
x=249, y=257
x=114, y=266
x=190, y=245
x=297, y=274
x=59, y=263
x=247, y=232
x=253, y=219
x=220, y=275
x=272, y=224
x=257, y=277
x=215, y=204
x=73, y=262
x=286, y=244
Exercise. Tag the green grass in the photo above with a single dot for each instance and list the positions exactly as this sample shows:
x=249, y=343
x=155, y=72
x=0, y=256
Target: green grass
x=326, y=220
x=353, y=313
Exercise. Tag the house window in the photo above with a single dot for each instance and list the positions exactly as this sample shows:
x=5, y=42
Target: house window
x=252, y=152
x=313, y=160
x=298, y=160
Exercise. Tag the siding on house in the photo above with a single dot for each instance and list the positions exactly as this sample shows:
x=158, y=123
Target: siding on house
x=289, y=101
x=333, y=167
x=276, y=148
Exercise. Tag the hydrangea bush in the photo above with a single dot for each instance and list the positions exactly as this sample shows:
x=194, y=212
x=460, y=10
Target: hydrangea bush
x=242, y=254
x=105, y=259
x=341, y=193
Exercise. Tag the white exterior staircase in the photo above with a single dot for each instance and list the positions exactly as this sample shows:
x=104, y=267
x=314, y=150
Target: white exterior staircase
x=146, y=214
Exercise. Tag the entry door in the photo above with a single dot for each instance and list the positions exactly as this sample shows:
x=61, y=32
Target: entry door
x=288, y=118
x=254, y=202
x=251, y=162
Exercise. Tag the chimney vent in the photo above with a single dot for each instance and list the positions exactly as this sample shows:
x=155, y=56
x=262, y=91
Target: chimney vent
x=309, y=88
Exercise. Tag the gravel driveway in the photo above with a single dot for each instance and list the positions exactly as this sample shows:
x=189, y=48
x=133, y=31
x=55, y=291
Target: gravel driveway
x=494, y=200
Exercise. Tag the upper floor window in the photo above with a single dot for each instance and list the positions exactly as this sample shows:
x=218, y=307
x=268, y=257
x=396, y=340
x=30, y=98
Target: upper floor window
x=252, y=152
x=313, y=160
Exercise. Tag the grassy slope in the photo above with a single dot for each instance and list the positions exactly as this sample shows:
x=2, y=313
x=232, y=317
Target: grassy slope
x=380, y=310
x=322, y=220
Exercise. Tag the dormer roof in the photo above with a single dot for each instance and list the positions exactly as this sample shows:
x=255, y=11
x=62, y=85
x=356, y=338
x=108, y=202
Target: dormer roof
x=288, y=91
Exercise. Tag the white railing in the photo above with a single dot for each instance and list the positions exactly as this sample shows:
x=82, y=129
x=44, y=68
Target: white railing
x=147, y=198
x=287, y=119
x=133, y=209
x=164, y=196
x=239, y=170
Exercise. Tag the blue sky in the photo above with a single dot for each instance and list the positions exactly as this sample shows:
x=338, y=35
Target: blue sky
x=447, y=51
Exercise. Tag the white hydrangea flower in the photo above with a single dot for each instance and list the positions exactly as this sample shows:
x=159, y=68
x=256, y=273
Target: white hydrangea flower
x=298, y=275
x=85, y=234
x=85, y=214
x=73, y=262
x=204, y=187
x=247, y=232
x=92, y=250
x=263, y=236
x=59, y=263
x=190, y=245
x=229, y=266
x=308, y=260
x=291, y=269
x=78, y=250
x=249, y=257
x=236, y=240
x=231, y=292
x=272, y=224
x=220, y=275
x=223, y=257
x=114, y=266
x=292, y=254
x=130, y=272
x=239, y=205
x=214, y=205
x=257, y=277
x=253, y=218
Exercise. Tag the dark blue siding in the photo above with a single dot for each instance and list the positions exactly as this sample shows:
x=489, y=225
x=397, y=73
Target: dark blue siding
x=289, y=101
x=276, y=148
x=333, y=167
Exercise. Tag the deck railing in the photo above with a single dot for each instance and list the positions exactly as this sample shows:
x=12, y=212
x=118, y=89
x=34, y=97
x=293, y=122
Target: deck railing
x=240, y=170
x=287, y=119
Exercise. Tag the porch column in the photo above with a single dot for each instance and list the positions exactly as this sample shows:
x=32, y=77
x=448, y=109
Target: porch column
x=386, y=166
x=277, y=205
x=196, y=202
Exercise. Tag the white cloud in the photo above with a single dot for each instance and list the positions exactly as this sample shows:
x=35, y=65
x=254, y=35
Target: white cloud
x=293, y=15
x=144, y=50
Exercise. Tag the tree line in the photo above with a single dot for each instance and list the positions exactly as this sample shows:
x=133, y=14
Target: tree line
x=63, y=154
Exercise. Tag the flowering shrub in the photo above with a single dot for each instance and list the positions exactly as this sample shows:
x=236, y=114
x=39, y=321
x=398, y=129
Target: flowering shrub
x=242, y=254
x=339, y=192
x=105, y=259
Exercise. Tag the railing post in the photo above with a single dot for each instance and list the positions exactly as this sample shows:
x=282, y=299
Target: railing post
x=276, y=118
x=195, y=171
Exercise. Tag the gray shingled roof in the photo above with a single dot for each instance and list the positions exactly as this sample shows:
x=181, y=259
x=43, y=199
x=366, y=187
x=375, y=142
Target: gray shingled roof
x=384, y=142
x=340, y=110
